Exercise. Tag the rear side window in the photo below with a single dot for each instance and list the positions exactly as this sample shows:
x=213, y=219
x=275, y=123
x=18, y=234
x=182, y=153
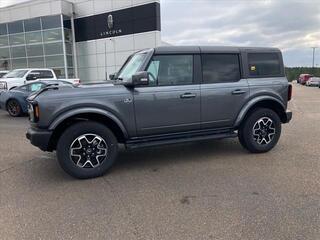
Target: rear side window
x=166, y=70
x=46, y=74
x=220, y=68
x=43, y=74
x=264, y=64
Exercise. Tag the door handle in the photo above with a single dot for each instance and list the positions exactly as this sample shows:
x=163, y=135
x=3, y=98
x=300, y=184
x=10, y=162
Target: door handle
x=238, y=92
x=188, y=95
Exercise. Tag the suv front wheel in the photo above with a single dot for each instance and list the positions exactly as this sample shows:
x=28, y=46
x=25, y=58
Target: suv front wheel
x=260, y=130
x=87, y=150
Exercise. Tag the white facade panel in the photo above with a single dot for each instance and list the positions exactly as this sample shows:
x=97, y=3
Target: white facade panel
x=101, y=6
x=145, y=40
x=19, y=13
x=84, y=8
x=41, y=9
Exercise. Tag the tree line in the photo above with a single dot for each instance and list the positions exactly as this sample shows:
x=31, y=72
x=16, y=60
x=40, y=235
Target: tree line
x=293, y=73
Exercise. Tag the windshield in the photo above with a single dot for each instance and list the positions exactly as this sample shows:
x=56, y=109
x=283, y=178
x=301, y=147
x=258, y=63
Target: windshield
x=132, y=66
x=16, y=74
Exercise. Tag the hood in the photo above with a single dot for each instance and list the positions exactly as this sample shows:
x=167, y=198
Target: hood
x=81, y=91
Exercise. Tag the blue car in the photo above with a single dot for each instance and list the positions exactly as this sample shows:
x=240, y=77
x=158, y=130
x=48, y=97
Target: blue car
x=15, y=101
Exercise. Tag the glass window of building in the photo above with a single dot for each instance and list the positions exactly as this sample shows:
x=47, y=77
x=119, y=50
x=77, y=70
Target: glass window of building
x=36, y=62
x=51, y=22
x=3, y=29
x=33, y=24
x=4, y=64
x=15, y=27
x=67, y=35
x=35, y=50
x=70, y=73
x=4, y=53
x=33, y=37
x=55, y=61
x=60, y=73
x=52, y=35
x=53, y=48
x=19, y=63
x=69, y=48
x=4, y=41
x=69, y=61
x=17, y=39
x=18, y=52
x=66, y=22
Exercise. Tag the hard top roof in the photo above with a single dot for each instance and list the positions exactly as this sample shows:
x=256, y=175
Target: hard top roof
x=211, y=49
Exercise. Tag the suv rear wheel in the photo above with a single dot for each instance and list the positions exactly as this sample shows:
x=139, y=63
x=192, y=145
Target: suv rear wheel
x=87, y=150
x=260, y=131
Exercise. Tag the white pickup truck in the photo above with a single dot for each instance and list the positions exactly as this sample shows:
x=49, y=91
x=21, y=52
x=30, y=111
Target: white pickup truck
x=20, y=77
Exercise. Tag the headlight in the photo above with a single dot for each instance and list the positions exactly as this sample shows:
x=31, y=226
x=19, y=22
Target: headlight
x=33, y=111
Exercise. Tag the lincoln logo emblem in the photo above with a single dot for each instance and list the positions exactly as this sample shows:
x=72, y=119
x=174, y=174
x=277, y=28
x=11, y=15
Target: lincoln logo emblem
x=110, y=21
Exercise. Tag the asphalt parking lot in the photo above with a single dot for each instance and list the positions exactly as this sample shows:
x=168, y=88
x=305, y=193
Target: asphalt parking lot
x=204, y=190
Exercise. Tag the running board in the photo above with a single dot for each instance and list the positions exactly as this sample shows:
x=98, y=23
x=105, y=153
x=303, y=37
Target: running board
x=157, y=142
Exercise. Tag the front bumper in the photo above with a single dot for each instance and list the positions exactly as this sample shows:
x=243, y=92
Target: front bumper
x=288, y=116
x=39, y=138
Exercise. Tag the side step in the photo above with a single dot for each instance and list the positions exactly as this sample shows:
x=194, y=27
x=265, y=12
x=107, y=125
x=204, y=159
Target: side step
x=142, y=143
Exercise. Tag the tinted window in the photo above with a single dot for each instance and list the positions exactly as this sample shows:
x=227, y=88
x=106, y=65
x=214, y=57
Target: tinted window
x=32, y=24
x=166, y=70
x=4, y=53
x=33, y=37
x=219, y=68
x=46, y=74
x=51, y=22
x=264, y=64
x=17, y=52
x=15, y=27
x=35, y=50
x=17, y=39
x=3, y=29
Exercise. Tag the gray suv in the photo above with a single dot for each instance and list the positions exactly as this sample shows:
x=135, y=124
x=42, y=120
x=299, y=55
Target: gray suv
x=162, y=96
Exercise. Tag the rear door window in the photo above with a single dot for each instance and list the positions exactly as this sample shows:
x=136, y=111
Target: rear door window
x=264, y=64
x=220, y=68
x=45, y=74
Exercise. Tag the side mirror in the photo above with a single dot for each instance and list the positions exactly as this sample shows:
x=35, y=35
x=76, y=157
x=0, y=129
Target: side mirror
x=140, y=79
x=32, y=77
x=112, y=76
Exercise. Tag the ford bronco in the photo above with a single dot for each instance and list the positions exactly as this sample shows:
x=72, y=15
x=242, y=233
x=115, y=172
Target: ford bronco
x=161, y=96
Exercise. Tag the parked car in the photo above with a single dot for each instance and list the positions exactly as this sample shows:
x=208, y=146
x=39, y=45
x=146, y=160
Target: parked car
x=15, y=101
x=162, y=96
x=20, y=77
x=313, y=81
x=303, y=78
x=2, y=73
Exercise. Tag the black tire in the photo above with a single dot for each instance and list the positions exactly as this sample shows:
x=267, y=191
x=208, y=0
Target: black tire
x=84, y=130
x=266, y=136
x=13, y=108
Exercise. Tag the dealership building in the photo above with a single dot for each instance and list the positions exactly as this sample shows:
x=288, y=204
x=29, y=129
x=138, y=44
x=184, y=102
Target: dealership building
x=86, y=39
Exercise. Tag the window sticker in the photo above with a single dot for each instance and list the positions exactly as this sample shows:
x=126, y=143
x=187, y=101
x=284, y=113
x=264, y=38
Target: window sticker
x=252, y=68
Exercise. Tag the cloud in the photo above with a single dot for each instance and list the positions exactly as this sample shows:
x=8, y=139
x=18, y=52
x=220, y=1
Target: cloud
x=292, y=26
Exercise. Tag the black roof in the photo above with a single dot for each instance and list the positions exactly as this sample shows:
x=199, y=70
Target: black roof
x=211, y=49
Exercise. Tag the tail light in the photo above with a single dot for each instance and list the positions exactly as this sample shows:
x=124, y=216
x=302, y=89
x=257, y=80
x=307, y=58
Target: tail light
x=76, y=81
x=289, y=92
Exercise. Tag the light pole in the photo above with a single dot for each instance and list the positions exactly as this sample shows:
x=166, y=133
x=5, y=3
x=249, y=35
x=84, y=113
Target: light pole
x=313, y=52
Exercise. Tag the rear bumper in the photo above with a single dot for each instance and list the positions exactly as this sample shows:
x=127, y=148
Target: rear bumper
x=288, y=116
x=39, y=138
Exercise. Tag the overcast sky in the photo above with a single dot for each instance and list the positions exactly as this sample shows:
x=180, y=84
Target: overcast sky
x=291, y=25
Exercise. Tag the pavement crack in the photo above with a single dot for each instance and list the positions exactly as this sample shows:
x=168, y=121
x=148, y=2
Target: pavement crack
x=18, y=165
